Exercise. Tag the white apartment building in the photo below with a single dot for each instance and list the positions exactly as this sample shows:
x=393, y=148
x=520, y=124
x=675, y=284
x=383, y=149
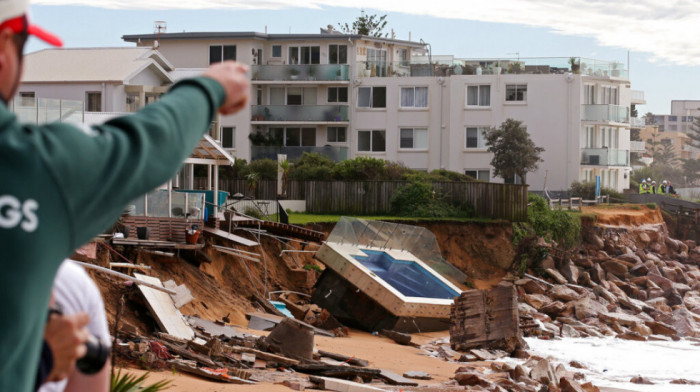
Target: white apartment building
x=350, y=95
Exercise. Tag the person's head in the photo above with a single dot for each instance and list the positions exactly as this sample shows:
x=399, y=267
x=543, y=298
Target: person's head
x=644, y=181
x=14, y=31
x=653, y=183
x=648, y=179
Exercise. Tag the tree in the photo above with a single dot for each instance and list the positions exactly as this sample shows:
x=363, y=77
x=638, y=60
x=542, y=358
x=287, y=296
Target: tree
x=370, y=25
x=694, y=133
x=649, y=118
x=514, y=153
x=666, y=155
x=691, y=171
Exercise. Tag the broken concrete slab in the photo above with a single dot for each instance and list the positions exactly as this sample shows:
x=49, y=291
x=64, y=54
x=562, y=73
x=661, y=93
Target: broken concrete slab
x=418, y=375
x=334, y=384
x=183, y=295
x=344, y=359
x=292, y=338
x=163, y=309
x=265, y=322
x=213, y=329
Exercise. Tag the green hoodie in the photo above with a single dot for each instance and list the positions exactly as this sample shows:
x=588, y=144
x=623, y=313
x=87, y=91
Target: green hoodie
x=62, y=184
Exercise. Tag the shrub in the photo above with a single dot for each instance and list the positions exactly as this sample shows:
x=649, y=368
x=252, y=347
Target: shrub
x=312, y=166
x=265, y=168
x=253, y=213
x=360, y=168
x=652, y=206
x=419, y=199
x=586, y=190
x=557, y=225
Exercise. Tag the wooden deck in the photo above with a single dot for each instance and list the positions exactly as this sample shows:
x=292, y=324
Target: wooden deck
x=156, y=244
x=162, y=228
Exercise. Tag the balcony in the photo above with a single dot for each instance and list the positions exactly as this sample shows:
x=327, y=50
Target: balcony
x=45, y=110
x=605, y=113
x=534, y=65
x=604, y=157
x=637, y=97
x=305, y=72
x=637, y=122
x=334, y=153
x=637, y=146
x=309, y=114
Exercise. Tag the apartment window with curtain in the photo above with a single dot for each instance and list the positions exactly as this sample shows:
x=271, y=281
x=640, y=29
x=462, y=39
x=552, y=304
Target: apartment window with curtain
x=479, y=174
x=228, y=137
x=609, y=95
x=336, y=135
x=413, y=138
x=337, y=54
x=516, y=92
x=337, y=94
x=475, y=137
x=479, y=96
x=589, y=136
x=219, y=53
x=93, y=101
x=371, y=97
x=295, y=137
x=371, y=141
x=414, y=97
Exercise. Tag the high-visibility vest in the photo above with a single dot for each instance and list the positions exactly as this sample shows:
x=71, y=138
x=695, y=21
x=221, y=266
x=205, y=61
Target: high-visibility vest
x=643, y=188
x=661, y=189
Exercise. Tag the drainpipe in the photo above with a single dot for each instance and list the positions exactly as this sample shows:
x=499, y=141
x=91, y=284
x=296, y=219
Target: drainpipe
x=441, y=82
x=569, y=81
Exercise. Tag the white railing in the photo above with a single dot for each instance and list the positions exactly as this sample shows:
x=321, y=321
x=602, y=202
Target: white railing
x=637, y=95
x=638, y=122
x=637, y=146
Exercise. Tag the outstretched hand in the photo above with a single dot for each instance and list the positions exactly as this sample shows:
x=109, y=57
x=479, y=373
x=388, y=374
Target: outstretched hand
x=232, y=76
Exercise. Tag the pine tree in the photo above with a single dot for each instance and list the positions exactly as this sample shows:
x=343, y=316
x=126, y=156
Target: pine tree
x=370, y=25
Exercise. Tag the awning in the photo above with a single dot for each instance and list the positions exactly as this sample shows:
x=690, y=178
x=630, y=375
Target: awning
x=210, y=152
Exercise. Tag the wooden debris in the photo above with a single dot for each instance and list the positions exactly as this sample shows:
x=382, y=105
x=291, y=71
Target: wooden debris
x=212, y=374
x=185, y=353
x=266, y=356
x=345, y=359
x=262, y=322
x=321, y=369
x=394, y=379
x=398, y=337
x=332, y=384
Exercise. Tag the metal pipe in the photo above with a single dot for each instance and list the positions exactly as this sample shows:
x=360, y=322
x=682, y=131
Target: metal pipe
x=124, y=276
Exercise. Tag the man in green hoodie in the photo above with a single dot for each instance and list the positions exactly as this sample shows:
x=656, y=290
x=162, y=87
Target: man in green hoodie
x=63, y=184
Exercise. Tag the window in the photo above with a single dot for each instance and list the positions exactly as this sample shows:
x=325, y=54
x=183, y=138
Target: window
x=513, y=180
x=403, y=57
x=414, y=97
x=414, y=138
x=371, y=141
x=337, y=94
x=589, y=94
x=376, y=60
x=94, y=101
x=479, y=95
x=276, y=51
x=292, y=137
x=475, y=137
x=673, y=118
x=479, y=174
x=228, y=137
x=516, y=92
x=371, y=97
x=219, y=53
x=337, y=54
x=293, y=96
x=336, y=135
x=304, y=55
x=27, y=98
x=589, y=137
x=132, y=102
x=610, y=96
x=672, y=127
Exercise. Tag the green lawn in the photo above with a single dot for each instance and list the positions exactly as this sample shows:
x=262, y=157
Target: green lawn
x=296, y=218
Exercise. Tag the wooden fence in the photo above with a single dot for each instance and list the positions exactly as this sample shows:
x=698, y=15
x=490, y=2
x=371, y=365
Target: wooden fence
x=490, y=200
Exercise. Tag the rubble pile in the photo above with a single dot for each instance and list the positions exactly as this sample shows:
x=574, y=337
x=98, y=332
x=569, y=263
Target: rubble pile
x=638, y=285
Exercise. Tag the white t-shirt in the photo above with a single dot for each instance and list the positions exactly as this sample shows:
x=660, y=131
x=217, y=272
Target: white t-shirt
x=75, y=291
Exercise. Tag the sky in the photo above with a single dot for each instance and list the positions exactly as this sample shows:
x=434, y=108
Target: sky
x=661, y=38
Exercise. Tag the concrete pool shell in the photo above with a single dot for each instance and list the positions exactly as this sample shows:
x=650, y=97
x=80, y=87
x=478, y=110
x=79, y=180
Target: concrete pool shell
x=370, y=285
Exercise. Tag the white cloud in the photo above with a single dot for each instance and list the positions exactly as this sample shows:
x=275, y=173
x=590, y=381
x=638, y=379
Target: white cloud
x=668, y=29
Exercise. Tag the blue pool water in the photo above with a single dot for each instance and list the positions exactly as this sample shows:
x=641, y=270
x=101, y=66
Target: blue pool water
x=408, y=277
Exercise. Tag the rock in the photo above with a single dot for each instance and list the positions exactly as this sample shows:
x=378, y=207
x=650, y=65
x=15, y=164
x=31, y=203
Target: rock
x=563, y=293
x=663, y=283
x=692, y=300
x=531, y=286
x=640, y=380
x=620, y=318
x=630, y=258
x=294, y=385
x=519, y=372
x=569, y=271
x=399, y=337
x=595, y=241
x=471, y=379
x=644, y=238
x=467, y=358
x=537, y=301
x=418, y=375
x=548, y=263
x=488, y=355
x=608, y=296
x=654, y=293
x=641, y=329
x=630, y=335
x=660, y=304
x=597, y=274
x=586, y=308
x=639, y=270
x=568, y=331
x=577, y=365
x=615, y=267
x=673, y=297
x=553, y=309
x=554, y=274
x=589, y=387
x=683, y=381
x=543, y=372
x=682, y=321
x=568, y=385
x=660, y=328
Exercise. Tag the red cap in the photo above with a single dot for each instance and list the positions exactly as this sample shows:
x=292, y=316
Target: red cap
x=21, y=24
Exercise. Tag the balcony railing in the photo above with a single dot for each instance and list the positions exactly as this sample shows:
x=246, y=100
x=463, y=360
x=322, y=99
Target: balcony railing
x=334, y=153
x=638, y=122
x=45, y=110
x=318, y=72
x=535, y=65
x=606, y=113
x=604, y=157
x=637, y=146
x=637, y=96
x=300, y=113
